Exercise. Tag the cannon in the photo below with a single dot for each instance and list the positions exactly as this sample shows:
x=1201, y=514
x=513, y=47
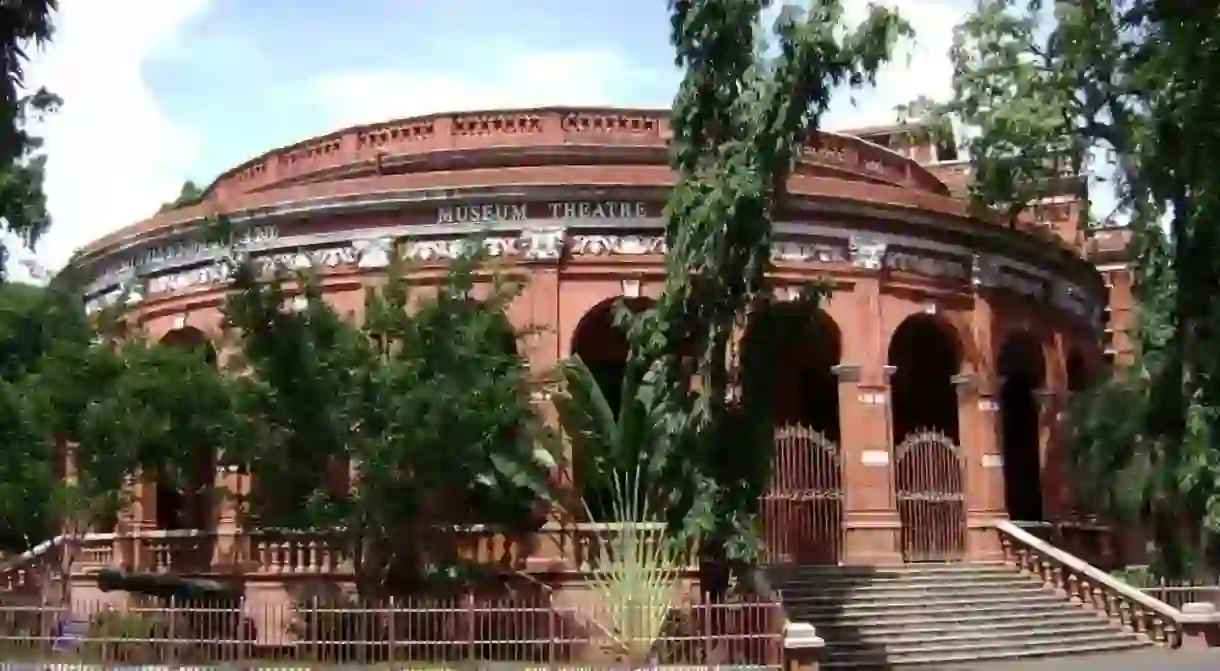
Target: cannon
x=168, y=586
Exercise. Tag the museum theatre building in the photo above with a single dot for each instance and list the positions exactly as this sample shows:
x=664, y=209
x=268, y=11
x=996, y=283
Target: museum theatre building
x=923, y=405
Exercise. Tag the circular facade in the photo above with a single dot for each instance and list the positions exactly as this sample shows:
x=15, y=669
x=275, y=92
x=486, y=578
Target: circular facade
x=947, y=337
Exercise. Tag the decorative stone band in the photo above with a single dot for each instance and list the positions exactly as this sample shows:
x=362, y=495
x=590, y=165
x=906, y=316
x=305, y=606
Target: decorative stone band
x=183, y=266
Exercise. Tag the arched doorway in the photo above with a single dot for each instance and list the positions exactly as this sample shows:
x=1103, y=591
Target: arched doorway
x=929, y=472
x=1022, y=370
x=601, y=343
x=802, y=507
x=188, y=504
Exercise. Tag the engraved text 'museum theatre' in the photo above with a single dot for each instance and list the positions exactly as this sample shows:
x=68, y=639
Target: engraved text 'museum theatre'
x=919, y=409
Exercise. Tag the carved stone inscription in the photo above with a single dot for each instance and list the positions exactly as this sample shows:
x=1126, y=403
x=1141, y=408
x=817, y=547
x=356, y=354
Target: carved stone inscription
x=577, y=209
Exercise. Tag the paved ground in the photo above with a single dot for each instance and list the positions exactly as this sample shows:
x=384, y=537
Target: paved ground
x=1143, y=660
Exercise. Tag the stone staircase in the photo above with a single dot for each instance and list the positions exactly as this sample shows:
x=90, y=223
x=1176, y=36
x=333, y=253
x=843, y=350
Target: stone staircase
x=937, y=614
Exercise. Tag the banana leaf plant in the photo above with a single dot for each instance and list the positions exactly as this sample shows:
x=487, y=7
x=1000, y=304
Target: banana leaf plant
x=604, y=442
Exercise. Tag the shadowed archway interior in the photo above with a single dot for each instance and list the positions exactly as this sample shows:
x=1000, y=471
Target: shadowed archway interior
x=1022, y=370
x=929, y=471
x=802, y=506
x=602, y=346
x=925, y=356
x=188, y=505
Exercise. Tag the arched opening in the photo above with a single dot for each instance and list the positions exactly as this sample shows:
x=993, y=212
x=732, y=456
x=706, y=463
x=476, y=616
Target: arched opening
x=602, y=345
x=802, y=507
x=929, y=473
x=188, y=504
x=1022, y=371
x=925, y=355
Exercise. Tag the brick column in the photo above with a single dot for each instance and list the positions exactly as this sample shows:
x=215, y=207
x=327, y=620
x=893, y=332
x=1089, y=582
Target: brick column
x=229, y=549
x=978, y=428
x=142, y=517
x=544, y=255
x=870, y=516
x=1053, y=479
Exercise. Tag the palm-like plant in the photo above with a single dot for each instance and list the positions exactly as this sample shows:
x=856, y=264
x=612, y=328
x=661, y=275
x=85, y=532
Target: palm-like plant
x=636, y=581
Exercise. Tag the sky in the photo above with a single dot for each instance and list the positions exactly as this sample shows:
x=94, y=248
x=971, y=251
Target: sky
x=160, y=91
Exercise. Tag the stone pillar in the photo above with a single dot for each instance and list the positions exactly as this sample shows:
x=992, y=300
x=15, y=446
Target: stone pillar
x=870, y=516
x=229, y=549
x=978, y=428
x=143, y=518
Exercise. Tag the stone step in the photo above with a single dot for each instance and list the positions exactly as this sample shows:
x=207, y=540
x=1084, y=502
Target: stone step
x=1010, y=577
x=818, y=617
x=938, y=625
x=937, y=658
x=1013, y=631
x=940, y=602
x=906, y=592
x=947, y=579
x=891, y=570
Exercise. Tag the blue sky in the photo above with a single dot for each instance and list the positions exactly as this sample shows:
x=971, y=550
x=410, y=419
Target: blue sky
x=159, y=91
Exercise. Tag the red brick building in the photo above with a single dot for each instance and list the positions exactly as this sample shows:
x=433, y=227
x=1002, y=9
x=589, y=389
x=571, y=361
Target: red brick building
x=924, y=405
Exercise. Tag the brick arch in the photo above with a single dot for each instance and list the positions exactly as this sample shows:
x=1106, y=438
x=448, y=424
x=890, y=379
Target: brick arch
x=926, y=351
x=191, y=337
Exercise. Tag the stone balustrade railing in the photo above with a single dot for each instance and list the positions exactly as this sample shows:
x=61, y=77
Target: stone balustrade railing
x=555, y=548
x=329, y=155
x=26, y=568
x=1096, y=589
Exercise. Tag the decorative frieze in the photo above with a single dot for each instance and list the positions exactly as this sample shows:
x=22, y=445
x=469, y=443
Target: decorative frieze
x=985, y=271
x=926, y=263
x=617, y=245
x=178, y=252
x=867, y=251
x=215, y=273
x=179, y=266
x=544, y=244
x=375, y=253
x=821, y=251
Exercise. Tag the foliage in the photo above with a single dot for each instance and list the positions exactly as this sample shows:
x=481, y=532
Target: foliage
x=638, y=574
x=604, y=443
x=738, y=119
x=427, y=398
x=1055, y=87
x=130, y=407
x=190, y=194
x=23, y=207
x=33, y=322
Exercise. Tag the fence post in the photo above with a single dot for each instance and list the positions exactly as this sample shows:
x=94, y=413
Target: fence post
x=802, y=647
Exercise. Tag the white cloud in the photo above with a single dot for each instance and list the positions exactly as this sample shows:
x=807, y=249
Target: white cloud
x=919, y=67
x=113, y=155
x=538, y=79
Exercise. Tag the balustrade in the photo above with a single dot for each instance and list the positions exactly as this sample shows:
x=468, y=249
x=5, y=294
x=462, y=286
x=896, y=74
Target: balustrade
x=1096, y=589
x=567, y=547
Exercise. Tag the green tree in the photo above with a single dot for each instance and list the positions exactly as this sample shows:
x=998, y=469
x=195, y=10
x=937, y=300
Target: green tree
x=1124, y=90
x=128, y=408
x=740, y=113
x=23, y=208
x=33, y=322
x=426, y=396
x=189, y=194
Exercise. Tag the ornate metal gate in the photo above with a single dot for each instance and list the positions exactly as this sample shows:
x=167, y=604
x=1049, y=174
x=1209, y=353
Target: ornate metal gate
x=930, y=481
x=802, y=509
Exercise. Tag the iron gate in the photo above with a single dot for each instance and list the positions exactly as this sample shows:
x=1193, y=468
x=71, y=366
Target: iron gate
x=802, y=509
x=930, y=481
